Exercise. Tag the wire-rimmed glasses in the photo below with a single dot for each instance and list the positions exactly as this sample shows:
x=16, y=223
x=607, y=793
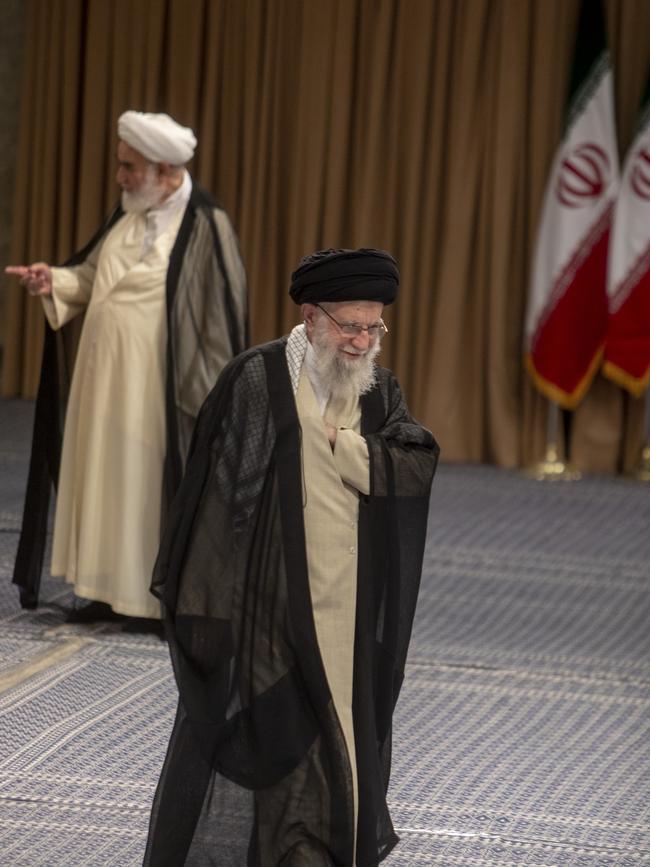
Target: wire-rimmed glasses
x=354, y=329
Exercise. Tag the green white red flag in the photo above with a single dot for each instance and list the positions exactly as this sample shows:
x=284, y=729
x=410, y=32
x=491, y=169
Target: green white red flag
x=567, y=315
x=627, y=347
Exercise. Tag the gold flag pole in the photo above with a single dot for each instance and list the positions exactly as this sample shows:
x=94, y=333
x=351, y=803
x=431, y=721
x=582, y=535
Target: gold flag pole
x=553, y=468
x=642, y=472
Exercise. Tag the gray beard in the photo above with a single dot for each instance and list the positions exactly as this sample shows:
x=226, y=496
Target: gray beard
x=340, y=377
x=149, y=194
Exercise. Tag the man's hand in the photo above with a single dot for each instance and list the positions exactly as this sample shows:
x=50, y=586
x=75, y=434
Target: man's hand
x=330, y=430
x=36, y=278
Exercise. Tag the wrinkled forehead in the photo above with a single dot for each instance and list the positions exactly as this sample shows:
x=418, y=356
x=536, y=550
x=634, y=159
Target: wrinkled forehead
x=356, y=311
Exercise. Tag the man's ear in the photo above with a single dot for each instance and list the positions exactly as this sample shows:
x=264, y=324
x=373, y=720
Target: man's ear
x=308, y=312
x=164, y=170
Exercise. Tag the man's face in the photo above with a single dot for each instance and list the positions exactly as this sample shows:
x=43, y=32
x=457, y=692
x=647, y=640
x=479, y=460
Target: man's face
x=140, y=181
x=131, y=168
x=345, y=361
x=350, y=348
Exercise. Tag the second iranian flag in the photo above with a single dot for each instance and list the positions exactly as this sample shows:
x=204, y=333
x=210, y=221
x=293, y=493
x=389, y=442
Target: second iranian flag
x=566, y=319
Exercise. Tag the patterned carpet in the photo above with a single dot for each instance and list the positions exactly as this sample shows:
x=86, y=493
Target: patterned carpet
x=522, y=734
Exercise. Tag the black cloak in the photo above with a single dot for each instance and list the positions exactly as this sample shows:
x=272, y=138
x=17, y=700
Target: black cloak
x=207, y=324
x=257, y=770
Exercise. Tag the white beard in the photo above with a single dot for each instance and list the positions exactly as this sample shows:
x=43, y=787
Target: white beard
x=341, y=377
x=149, y=194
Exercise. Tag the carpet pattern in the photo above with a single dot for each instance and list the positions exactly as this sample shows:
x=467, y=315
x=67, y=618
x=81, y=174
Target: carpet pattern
x=522, y=735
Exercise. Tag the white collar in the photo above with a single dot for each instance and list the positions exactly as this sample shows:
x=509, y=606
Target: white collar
x=178, y=198
x=295, y=354
x=299, y=351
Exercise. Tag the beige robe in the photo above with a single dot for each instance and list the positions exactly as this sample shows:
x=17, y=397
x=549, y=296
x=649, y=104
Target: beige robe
x=107, y=523
x=333, y=481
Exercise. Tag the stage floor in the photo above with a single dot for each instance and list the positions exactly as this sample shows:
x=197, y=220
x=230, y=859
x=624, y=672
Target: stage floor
x=522, y=734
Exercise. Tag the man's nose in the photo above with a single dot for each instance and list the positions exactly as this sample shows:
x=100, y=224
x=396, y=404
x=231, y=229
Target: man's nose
x=362, y=340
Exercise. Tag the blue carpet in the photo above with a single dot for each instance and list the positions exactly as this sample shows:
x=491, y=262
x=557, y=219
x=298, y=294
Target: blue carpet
x=522, y=733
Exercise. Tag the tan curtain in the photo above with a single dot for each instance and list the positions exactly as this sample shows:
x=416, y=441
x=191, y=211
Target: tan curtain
x=426, y=127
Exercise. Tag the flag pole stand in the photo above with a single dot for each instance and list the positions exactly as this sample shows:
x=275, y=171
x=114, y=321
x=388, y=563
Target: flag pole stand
x=642, y=472
x=553, y=468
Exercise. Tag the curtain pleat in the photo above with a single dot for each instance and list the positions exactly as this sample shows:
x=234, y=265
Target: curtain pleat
x=426, y=127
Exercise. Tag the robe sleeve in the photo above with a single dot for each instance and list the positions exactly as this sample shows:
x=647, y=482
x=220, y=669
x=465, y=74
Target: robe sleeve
x=208, y=314
x=352, y=459
x=71, y=291
x=235, y=273
x=403, y=453
x=403, y=459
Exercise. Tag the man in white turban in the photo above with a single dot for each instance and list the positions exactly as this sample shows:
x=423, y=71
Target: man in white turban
x=163, y=290
x=157, y=137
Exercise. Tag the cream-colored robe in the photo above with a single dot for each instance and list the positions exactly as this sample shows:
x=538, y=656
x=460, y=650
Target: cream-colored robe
x=107, y=523
x=333, y=481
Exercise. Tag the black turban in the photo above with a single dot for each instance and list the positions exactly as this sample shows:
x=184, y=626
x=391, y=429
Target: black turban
x=345, y=275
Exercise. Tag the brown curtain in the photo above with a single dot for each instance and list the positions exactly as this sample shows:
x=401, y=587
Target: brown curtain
x=425, y=127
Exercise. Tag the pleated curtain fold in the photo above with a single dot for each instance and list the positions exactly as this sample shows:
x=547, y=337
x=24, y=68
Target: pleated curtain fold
x=425, y=127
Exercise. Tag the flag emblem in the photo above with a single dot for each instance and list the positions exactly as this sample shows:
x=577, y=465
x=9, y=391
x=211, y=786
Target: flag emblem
x=567, y=312
x=584, y=175
x=640, y=174
x=627, y=346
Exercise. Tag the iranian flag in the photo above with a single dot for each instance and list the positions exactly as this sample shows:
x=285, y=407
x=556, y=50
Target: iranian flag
x=627, y=348
x=566, y=319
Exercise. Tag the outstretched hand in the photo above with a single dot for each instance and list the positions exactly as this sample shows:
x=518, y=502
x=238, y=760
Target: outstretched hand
x=36, y=278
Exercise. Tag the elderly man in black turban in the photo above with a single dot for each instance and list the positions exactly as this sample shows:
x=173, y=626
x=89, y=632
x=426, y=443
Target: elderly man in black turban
x=289, y=574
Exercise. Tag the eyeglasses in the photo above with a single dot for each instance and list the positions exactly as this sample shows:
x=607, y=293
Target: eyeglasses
x=352, y=329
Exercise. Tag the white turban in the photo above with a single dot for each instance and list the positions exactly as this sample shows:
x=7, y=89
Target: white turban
x=157, y=137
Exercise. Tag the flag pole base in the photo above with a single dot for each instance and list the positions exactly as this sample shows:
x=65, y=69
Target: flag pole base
x=553, y=469
x=642, y=472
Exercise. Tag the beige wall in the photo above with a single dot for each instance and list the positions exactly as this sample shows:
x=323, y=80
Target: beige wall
x=12, y=20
